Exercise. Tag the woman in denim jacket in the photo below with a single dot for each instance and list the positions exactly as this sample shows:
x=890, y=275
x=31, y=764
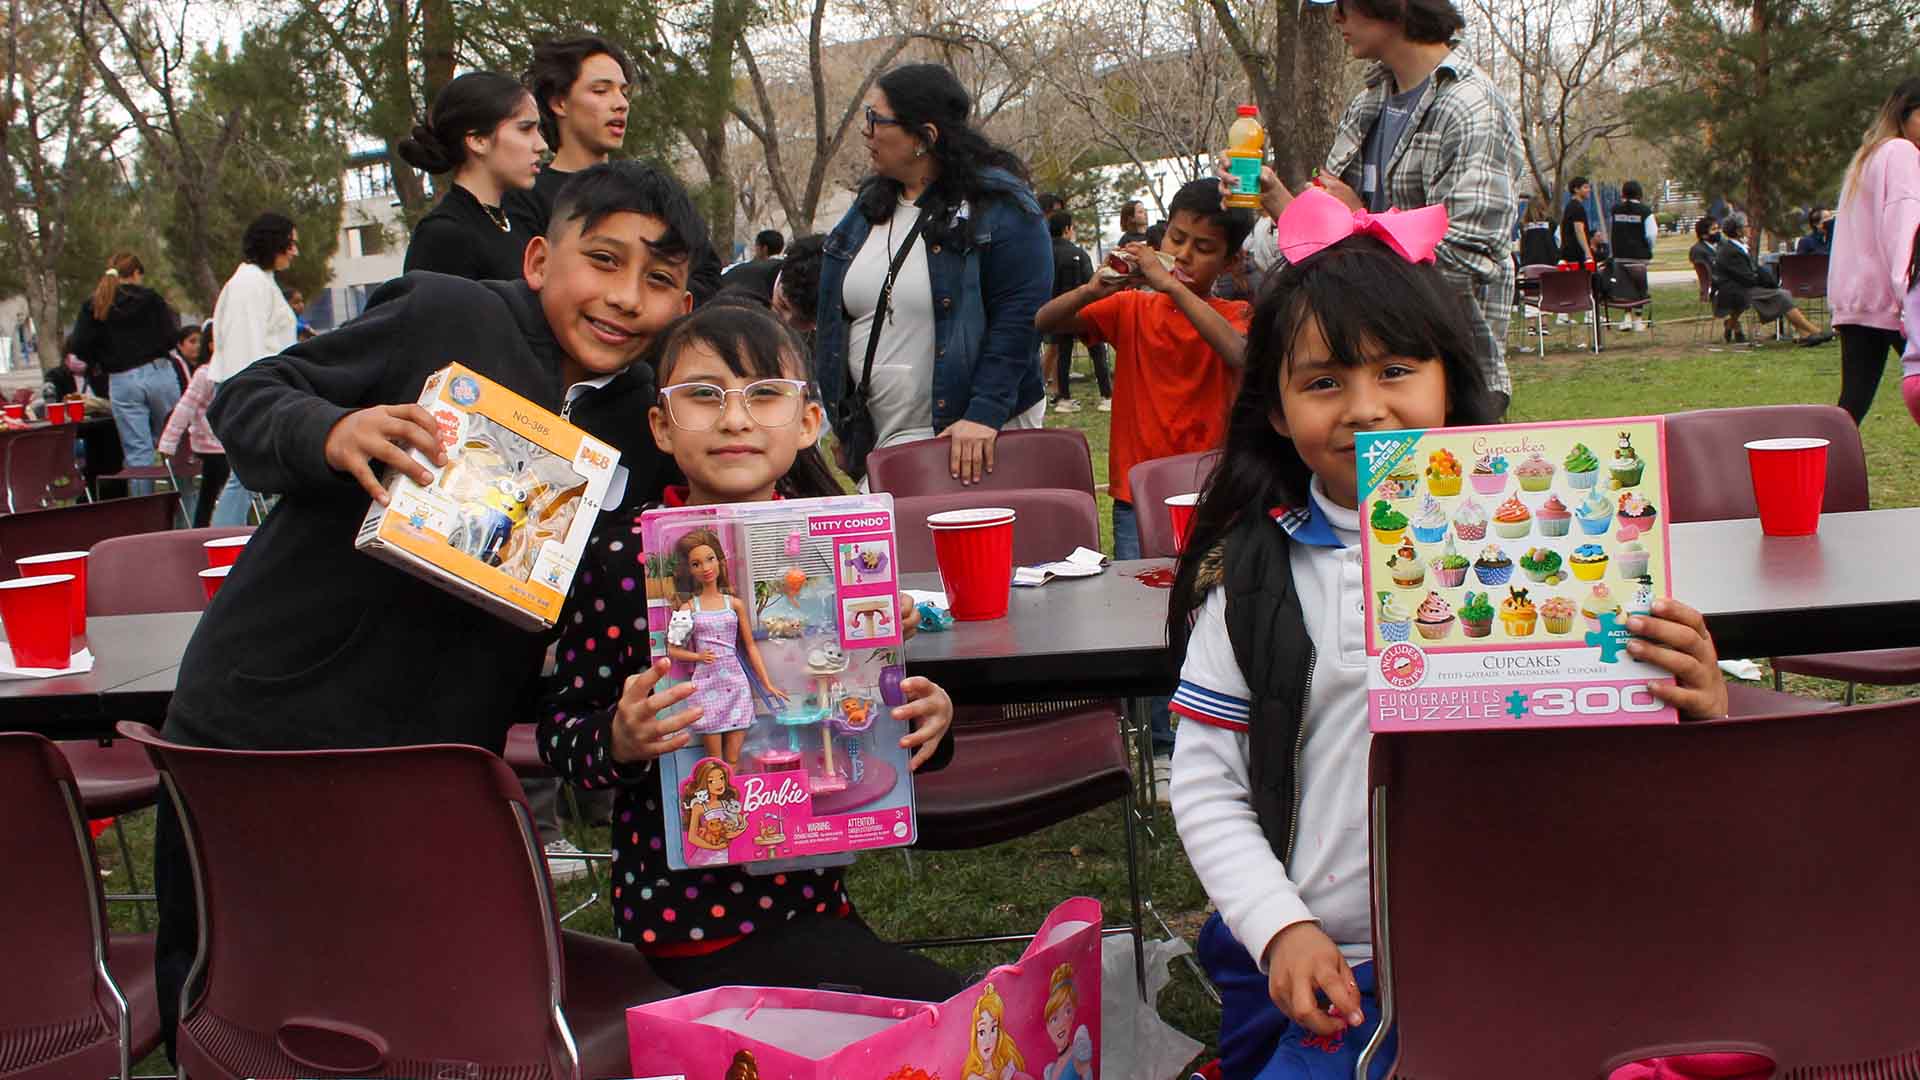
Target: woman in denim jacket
x=958, y=354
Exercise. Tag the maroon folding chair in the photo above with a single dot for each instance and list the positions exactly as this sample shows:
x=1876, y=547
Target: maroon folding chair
x=151, y=572
x=40, y=469
x=1026, y=458
x=1805, y=278
x=1707, y=481
x=77, y=1002
x=176, y=472
x=1560, y=903
x=80, y=526
x=1634, y=270
x=1151, y=483
x=1566, y=292
x=396, y=919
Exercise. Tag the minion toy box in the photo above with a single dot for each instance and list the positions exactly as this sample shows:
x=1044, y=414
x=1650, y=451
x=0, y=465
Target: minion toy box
x=505, y=520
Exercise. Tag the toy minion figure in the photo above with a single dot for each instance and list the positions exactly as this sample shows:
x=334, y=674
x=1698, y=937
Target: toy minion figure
x=491, y=519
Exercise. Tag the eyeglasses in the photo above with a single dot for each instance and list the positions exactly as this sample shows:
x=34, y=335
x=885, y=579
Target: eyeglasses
x=877, y=120
x=697, y=406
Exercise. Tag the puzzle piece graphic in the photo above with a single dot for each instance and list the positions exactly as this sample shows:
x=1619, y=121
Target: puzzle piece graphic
x=1611, y=638
x=1517, y=705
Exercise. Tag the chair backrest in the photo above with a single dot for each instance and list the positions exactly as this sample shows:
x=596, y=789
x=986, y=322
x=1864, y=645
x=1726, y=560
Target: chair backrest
x=39, y=468
x=1804, y=276
x=1025, y=458
x=1566, y=292
x=60, y=1004
x=1151, y=482
x=1703, y=277
x=22, y=395
x=1048, y=523
x=149, y=572
x=1707, y=474
x=1616, y=893
x=382, y=912
x=79, y=527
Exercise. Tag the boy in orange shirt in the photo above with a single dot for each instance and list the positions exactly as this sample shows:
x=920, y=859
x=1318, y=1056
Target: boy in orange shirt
x=1172, y=389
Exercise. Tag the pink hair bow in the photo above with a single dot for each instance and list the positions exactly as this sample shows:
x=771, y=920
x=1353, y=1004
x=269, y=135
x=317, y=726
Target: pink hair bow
x=1316, y=220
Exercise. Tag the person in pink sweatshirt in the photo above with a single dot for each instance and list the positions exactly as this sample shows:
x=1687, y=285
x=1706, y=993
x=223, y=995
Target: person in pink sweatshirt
x=1873, y=247
x=189, y=418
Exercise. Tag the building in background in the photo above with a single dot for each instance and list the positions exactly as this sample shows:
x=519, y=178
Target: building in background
x=373, y=241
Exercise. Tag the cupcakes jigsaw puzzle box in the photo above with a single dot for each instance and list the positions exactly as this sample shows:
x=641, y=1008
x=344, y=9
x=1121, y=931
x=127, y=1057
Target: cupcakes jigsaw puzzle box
x=785, y=617
x=1502, y=565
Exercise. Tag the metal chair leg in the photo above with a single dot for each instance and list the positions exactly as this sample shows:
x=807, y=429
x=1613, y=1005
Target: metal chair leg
x=133, y=874
x=1851, y=688
x=1133, y=896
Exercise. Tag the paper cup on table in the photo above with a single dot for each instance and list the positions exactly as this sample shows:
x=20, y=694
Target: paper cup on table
x=1180, y=508
x=1789, y=484
x=63, y=562
x=226, y=550
x=38, y=615
x=975, y=551
x=76, y=411
x=56, y=412
x=14, y=411
x=212, y=578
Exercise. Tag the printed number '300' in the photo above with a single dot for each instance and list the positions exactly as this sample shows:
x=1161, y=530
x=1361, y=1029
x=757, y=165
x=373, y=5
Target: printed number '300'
x=1592, y=701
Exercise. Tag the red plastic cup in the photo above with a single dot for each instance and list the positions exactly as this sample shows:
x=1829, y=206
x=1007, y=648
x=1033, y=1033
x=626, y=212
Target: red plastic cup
x=1180, y=508
x=63, y=562
x=212, y=578
x=975, y=551
x=76, y=411
x=14, y=411
x=226, y=550
x=56, y=412
x=39, y=619
x=1789, y=484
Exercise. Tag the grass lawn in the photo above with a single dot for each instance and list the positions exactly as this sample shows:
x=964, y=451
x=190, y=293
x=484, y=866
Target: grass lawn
x=1010, y=887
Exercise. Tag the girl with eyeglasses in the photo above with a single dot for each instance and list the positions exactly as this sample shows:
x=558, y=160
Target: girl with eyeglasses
x=736, y=413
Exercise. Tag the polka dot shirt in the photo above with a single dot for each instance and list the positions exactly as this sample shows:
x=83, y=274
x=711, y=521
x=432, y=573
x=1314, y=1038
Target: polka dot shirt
x=602, y=643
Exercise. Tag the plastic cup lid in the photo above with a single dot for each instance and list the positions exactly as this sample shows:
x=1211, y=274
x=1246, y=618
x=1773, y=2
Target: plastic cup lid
x=58, y=556
x=36, y=581
x=975, y=518
x=1786, y=444
x=228, y=541
x=217, y=571
x=1189, y=499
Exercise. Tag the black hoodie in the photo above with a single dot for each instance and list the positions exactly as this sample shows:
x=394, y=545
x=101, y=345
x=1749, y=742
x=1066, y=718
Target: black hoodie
x=139, y=328
x=312, y=644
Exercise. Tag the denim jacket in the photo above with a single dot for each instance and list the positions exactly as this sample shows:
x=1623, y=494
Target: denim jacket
x=986, y=352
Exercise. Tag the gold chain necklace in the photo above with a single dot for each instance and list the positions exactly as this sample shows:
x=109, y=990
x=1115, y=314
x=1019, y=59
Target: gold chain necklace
x=498, y=217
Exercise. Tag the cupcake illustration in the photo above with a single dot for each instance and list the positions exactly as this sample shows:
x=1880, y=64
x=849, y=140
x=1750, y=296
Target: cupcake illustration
x=1594, y=514
x=1557, y=613
x=1626, y=467
x=1636, y=515
x=1434, y=617
x=1517, y=613
x=1597, y=603
x=1450, y=567
x=1394, y=620
x=1389, y=525
x=1589, y=562
x=1476, y=615
x=1541, y=564
x=1406, y=567
x=1493, y=567
x=1430, y=524
x=1582, y=468
x=1554, y=517
x=1401, y=483
x=1470, y=521
x=1443, y=474
x=1490, y=474
x=1535, y=473
x=1631, y=560
x=1512, y=519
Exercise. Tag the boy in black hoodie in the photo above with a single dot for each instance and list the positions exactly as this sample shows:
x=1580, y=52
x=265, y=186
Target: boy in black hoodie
x=312, y=644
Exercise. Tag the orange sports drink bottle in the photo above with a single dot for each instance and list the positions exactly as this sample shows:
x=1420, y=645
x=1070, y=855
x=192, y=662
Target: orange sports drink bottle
x=1246, y=150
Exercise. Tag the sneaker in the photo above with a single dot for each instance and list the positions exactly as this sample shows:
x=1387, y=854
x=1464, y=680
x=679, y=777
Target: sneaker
x=1820, y=338
x=562, y=868
x=1562, y=320
x=1106, y=404
x=1163, y=779
x=1066, y=405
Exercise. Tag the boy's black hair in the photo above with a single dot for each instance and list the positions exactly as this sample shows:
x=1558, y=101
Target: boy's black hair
x=754, y=344
x=800, y=273
x=181, y=335
x=1701, y=226
x=1201, y=198
x=1632, y=191
x=1050, y=201
x=1341, y=288
x=266, y=238
x=615, y=187
x=1428, y=22
x=1058, y=223
x=556, y=64
x=771, y=240
x=1576, y=184
x=1156, y=232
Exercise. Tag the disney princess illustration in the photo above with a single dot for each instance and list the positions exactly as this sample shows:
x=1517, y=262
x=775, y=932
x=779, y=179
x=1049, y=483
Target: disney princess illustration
x=991, y=1055
x=1073, y=1049
x=721, y=633
x=712, y=806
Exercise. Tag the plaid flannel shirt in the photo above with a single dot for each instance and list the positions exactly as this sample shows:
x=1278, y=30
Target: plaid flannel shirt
x=1461, y=148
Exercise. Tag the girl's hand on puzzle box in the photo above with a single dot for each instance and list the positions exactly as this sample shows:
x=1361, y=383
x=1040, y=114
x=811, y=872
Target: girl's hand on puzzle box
x=640, y=733
x=1675, y=638
x=1302, y=959
x=929, y=712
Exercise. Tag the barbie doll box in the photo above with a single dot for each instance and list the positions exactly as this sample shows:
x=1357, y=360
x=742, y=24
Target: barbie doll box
x=1502, y=565
x=504, y=521
x=785, y=616
x=1037, y=1018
